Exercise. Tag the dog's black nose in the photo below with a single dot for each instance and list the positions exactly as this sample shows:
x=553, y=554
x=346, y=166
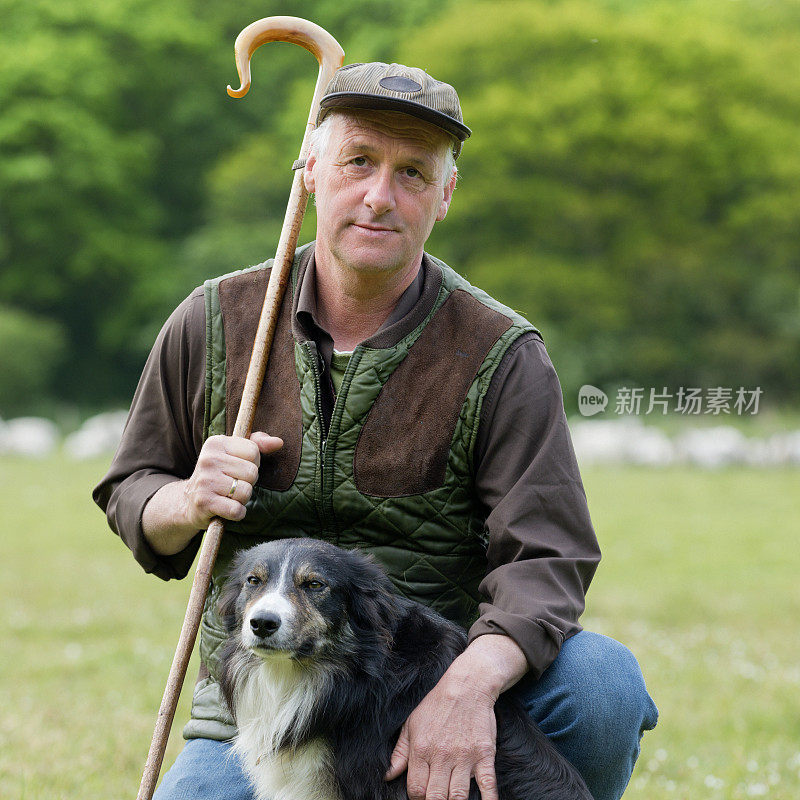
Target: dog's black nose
x=265, y=624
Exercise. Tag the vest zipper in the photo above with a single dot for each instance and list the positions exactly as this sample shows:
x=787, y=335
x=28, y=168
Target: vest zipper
x=313, y=358
x=334, y=430
x=325, y=508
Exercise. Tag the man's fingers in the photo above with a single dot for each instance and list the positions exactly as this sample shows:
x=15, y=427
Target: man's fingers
x=417, y=781
x=438, y=782
x=459, y=784
x=239, y=447
x=399, y=760
x=266, y=443
x=219, y=478
x=227, y=509
x=235, y=488
x=486, y=779
x=245, y=471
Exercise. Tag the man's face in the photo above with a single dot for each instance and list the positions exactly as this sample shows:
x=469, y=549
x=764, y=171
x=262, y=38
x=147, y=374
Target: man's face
x=379, y=188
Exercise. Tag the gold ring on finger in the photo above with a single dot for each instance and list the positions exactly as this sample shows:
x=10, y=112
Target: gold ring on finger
x=233, y=487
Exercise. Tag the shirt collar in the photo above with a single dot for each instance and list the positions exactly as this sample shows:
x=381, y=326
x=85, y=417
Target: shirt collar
x=306, y=306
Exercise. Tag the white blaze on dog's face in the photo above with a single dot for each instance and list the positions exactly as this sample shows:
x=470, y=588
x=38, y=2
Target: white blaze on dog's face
x=287, y=605
x=269, y=613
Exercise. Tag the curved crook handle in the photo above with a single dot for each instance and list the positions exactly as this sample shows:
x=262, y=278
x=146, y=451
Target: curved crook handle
x=315, y=39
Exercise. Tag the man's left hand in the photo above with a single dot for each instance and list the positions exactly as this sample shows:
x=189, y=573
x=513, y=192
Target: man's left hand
x=449, y=738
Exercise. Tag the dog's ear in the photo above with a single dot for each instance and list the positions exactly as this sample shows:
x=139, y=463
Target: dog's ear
x=226, y=605
x=368, y=576
x=373, y=605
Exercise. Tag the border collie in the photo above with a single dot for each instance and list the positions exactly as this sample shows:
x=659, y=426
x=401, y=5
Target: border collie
x=325, y=661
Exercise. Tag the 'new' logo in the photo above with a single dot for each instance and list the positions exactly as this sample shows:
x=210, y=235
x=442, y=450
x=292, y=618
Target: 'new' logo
x=591, y=400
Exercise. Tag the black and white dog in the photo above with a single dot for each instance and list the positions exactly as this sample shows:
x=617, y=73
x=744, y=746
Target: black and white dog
x=323, y=664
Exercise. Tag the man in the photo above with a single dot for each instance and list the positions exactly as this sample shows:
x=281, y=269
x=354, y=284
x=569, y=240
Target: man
x=419, y=420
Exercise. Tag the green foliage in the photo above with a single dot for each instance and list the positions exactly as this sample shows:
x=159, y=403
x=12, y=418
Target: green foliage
x=632, y=183
x=83, y=222
x=115, y=119
x=29, y=349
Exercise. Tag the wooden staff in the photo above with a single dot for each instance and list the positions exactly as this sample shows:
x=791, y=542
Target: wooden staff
x=330, y=56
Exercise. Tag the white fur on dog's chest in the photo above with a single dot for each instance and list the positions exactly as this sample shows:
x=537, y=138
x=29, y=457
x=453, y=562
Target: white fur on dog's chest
x=302, y=775
x=268, y=698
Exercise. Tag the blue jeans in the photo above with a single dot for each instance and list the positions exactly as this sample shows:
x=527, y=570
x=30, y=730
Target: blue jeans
x=591, y=702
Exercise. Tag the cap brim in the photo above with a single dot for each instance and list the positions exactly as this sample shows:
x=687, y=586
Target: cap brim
x=362, y=100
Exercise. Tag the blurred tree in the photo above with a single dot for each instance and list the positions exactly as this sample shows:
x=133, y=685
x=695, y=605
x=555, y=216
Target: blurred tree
x=29, y=346
x=633, y=183
x=114, y=117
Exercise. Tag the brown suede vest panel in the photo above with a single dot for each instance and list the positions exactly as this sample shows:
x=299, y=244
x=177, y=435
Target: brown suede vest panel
x=405, y=441
x=278, y=410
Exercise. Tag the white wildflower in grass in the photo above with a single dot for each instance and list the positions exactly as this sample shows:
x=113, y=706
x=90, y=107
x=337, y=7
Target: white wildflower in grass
x=72, y=651
x=661, y=754
x=693, y=762
x=752, y=765
x=748, y=670
x=757, y=789
x=713, y=782
x=696, y=635
x=641, y=781
x=141, y=646
x=81, y=617
x=770, y=662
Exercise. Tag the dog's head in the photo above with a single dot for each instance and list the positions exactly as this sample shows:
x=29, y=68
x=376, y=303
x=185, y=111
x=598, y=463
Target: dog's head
x=306, y=599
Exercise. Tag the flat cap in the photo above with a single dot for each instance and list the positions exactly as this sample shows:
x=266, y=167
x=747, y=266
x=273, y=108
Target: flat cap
x=395, y=87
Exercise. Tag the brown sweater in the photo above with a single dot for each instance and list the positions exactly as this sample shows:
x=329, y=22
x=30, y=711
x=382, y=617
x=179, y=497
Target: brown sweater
x=542, y=548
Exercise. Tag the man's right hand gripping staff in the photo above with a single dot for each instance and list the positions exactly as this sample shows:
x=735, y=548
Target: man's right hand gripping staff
x=220, y=486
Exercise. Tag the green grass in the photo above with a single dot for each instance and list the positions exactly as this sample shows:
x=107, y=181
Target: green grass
x=89, y=644
x=699, y=579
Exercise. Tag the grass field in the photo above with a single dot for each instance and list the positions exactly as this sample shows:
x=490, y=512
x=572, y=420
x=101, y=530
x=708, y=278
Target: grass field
x=699, y=579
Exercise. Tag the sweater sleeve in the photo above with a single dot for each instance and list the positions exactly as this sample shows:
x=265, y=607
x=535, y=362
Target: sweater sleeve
x=162, y=436
x=542, y=550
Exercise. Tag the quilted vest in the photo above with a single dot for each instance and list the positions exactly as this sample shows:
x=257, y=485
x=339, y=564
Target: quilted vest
x=392, y=472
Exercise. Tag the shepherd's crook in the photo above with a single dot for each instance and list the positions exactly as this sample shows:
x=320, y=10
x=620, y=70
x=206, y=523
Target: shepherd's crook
x=330, y=56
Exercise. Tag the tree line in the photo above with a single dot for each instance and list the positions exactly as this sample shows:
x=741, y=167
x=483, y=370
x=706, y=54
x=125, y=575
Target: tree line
x=632, y=183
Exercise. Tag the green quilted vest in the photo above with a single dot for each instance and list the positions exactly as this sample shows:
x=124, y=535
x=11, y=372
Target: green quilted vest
x=391, y=475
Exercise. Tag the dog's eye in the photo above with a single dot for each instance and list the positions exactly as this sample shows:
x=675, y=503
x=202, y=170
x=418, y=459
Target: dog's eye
x=315, y=585
x=253, y=580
